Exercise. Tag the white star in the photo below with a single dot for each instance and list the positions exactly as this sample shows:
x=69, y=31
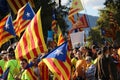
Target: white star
x=7, y=26
x=58, y=52
x=28, y=14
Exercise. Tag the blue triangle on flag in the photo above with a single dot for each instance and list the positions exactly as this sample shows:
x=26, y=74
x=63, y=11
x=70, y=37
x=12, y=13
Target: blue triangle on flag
x=58, y=53
x=9, y=26
x=28, y=12
x=5, y=74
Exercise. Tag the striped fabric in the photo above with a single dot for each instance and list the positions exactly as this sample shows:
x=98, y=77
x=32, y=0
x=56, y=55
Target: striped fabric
x=54, y=25
x=73, y=11
x=60, y=37
x=75, y=8
x=84, y=21
x=17, y=4
x=31, y=74
x=44, y=71
x=4, y=35
x=32, y=42
x=71, y=19
x=20, y=24
x=61, y=70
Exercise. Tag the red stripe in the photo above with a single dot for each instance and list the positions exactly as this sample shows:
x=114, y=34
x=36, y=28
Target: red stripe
x=20, y=2
x=64, y=67
x=33, y=76
x=26, y=46
x=32, y=42
x=72, y=11
x=19, y=51
x=22, y=28
x=55, y=68
x=68, y=60
x=14, y=4
x=3, y=21
x=5, y=36
x=36, y=27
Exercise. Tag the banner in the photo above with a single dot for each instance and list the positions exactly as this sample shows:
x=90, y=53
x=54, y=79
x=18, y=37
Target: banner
x=77, y=39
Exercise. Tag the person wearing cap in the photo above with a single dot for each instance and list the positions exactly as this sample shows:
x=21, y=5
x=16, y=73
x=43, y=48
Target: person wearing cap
x=90, y=69
x=3, y=61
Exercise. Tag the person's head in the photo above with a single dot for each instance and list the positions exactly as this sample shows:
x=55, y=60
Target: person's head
x=94, y=49
x=3, y=54
x=106, y=51
x=79, y=54
x=82, y=49
x=23, y=63
x=10, y=56
x=88, y=59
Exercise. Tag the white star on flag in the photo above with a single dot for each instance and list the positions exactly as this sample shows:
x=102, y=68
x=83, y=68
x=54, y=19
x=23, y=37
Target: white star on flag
x=58, y=52
x=7, y=26
x=28, y=14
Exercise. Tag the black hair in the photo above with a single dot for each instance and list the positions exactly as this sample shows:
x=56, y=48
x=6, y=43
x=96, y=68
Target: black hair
x=23, y=59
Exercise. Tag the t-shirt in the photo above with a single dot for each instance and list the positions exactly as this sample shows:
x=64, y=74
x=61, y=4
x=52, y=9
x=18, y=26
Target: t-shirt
x=14, y=68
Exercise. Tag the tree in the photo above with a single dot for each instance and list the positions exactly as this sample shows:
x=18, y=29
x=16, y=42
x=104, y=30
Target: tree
x=109, y=20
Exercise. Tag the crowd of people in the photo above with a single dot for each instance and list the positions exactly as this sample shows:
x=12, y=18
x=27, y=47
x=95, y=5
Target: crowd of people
x=94, y=63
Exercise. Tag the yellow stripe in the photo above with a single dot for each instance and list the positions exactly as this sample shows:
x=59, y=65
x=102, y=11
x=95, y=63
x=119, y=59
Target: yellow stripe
x=22, y=45
x=49, y=65
x=61, y=69
x=29, y=43
x=40, y=30
x=35, y=38
x=11, y=5
x=5, y=40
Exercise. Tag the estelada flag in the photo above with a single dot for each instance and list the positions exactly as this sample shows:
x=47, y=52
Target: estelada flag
x=24, y=16
x=58, y=62
x=6, y=30
x=32, y=42
x=17, y=4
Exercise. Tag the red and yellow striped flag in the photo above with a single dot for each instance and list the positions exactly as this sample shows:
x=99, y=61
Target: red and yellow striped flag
x=4, y=35
x=44, y=71
x=31, y=74
x=60, y=37
x=17, y=4
x=21, y=21
x=32, y=42
x=75, y=8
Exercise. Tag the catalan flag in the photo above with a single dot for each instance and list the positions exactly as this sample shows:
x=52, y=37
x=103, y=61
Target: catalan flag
x=44, y=71
x=32, y=42
x=58, y=62
x=75, y=8
x=4, y=35
x=60, y=37
x=71, y=19
x=17, y=4
x=84, y=21
x=9, y=26
x=30, y=73
x=24, y=16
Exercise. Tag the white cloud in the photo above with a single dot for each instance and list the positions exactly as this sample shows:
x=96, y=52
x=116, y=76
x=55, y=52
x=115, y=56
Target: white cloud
x=94, y=4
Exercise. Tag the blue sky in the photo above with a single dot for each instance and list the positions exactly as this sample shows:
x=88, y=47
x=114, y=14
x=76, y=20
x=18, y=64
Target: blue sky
x=90, y=6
